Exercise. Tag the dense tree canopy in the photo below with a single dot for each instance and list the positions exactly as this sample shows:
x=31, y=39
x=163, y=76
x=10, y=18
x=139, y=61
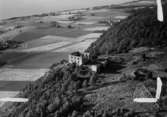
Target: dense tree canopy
x=140, y=29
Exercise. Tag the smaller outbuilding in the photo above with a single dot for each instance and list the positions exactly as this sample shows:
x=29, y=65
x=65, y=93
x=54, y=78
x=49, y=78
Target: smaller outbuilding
x=86, y=60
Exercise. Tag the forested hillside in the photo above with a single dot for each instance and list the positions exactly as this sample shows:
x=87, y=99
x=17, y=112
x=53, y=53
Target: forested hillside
x=140, y=29
x=68, y=90
x=56, y=94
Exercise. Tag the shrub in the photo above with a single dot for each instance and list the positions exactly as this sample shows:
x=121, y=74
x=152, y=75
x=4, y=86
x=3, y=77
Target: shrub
x=140, y=29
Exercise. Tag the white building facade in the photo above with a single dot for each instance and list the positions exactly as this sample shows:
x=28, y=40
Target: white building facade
x=75, y=59
x=78, y=58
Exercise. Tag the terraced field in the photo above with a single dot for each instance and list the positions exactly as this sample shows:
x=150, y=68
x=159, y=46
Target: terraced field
x=44, y=44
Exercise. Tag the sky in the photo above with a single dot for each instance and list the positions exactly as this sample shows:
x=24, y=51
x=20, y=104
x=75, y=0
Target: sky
x=14, y=8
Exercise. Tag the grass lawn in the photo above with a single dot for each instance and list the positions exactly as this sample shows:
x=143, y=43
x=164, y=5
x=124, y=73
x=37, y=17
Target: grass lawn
x=12, y=85
x=40, y=61
x=38, y=33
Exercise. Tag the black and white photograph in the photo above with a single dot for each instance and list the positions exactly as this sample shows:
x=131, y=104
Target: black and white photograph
x=83, y=58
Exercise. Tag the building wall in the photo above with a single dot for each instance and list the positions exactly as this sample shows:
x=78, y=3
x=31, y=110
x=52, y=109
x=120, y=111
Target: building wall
x=79, y=60
x=93, y=68
x=86, y=55
x=75, y=59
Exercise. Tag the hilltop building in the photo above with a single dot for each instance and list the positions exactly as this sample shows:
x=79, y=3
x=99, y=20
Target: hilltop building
x=79, y=58
x=86, y=60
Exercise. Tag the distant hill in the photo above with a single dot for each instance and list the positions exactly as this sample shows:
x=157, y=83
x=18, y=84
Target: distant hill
x=139, y=3
x=140, y=29
x=68, y=90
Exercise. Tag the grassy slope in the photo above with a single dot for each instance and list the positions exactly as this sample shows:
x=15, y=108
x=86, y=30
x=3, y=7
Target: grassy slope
x=139, y=29
x=58, y=94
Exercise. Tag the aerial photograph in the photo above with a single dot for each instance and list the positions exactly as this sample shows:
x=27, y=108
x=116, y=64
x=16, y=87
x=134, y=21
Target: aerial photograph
x=83, y=58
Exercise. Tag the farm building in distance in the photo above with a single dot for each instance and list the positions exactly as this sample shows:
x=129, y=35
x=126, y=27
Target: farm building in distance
x=79, y=58
x=86, y=60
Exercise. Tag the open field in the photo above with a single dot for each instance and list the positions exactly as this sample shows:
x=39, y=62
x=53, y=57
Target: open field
x=11, y=74
x=45, y=44
x=42, y=41
x=11, y=34
x=38, y=33
x=72, y=90
x=7, y=94
x=46, y=47
x=81, y=46
x=85, y=22
x=12, y=85
x=41, y=61
x=90, y=36
x=98, y=28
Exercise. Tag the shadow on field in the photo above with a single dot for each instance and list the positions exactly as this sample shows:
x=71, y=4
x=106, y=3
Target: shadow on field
x=13, y=85
x=113, y=67
x=32, y=60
